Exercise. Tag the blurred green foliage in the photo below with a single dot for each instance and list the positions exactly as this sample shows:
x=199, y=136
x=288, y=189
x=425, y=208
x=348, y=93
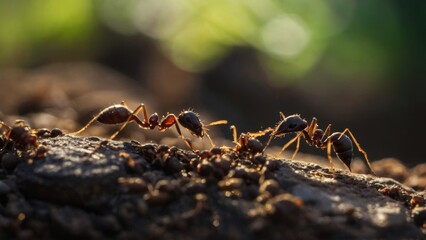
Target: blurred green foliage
x=31, y=30
x=293, y=37
x=290, y=35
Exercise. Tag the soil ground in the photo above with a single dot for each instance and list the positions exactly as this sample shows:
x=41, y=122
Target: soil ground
x=86, y=187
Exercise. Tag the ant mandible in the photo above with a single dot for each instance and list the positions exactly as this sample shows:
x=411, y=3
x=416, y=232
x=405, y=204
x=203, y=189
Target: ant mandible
x=314, y=136
x=121, y=114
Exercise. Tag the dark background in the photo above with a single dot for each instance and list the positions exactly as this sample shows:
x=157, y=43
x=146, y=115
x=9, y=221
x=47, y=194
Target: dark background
x=356, y=64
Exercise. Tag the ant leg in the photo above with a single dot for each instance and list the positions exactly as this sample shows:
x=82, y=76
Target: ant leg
x=329, y=154
x=184, y=138
x=208, y=136
x=87, y=125
x=328, y=143
x=217, y=123
x=359, y=148
x=297, y=148
x=260, y=133
x=167, y=122
x=272, y=135
x=327, y=132
x=324, y=139
x=312, y=127
x=288, y=144
x=145, y=115
x=267, y=143
x=101, y=144
x=129, y=119
x=234, y=135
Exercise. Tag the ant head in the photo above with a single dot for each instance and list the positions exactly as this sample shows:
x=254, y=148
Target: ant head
x=190, y=121
x=293, y=123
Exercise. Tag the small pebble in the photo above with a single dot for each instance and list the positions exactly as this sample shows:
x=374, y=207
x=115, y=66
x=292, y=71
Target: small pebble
x=10, y=161
x=56, y=132
x=193, y=188
x=3, y=173
x=270, y=186
x=259, y=159
x=272, y=165
x=205, y=168
x=223, y=163
x=163, y=148
x=215, y=151
x=252, y=175
x=230, y=184
x=255, y=145
x=43, y=132
x=4, y=188
x=419, y=215
x=205, y=154
x=172, y=165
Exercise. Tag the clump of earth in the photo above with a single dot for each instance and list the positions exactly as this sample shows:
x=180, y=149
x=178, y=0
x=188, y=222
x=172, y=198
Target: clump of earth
x=91, y=188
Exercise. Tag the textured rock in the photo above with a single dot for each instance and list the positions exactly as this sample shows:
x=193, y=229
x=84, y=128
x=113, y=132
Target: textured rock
x=95, y=189
x=69, y=175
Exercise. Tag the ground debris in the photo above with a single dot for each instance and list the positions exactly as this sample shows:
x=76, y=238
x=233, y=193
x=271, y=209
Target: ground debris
x=96, y=189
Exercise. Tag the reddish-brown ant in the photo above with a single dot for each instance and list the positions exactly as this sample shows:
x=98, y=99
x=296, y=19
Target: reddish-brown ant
x=341, y=142
x=23, y=138
x=20, y=135
x=248, y=142
x=121, y=114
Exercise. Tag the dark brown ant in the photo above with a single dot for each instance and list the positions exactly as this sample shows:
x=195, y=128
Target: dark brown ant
x=341, y=142
x=20, y=135
x=46, y=133
x=248, y=142
x=121, y=114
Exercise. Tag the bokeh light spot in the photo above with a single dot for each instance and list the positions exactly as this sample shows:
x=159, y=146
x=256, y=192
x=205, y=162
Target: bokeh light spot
x=285, y=36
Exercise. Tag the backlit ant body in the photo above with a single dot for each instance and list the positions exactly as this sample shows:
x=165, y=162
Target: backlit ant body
x=340, y=142
x=121, y=114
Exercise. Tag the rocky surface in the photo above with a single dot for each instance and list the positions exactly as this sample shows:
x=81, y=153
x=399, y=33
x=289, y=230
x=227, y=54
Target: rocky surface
x=95, y=189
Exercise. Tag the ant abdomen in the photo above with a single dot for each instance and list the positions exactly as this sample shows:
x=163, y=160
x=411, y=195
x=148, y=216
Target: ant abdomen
x=115, y=114
x=342, y=147
x=346, y=158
